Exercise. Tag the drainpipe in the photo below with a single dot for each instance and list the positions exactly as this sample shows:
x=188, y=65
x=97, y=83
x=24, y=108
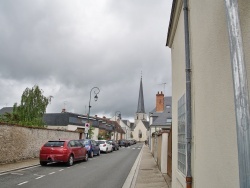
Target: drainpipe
x=188, y=95
x=241, y=94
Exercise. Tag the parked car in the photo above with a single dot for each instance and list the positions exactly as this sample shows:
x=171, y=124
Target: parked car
x=123, y=142
x=66, y=151
x=105, y=146
x=114, y=144
x=92, y=146
x=131, y=142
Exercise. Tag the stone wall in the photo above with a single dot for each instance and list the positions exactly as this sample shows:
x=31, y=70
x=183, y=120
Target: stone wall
x=19, y=143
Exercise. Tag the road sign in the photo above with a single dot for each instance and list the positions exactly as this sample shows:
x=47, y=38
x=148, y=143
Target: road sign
x=87, y=125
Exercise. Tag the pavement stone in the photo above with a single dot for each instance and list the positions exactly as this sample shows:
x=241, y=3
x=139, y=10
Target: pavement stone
x=149, y=174
x=18, y=165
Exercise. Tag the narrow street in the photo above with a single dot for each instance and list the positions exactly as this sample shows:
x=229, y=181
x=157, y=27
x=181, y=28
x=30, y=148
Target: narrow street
x=107, y=170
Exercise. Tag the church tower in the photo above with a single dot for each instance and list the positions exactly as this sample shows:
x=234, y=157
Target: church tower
x=140, y=113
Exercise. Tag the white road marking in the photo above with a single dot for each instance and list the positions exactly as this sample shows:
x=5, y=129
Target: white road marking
x=61, y=170
x=16, y=173
x=4, y=173
x=22, y=183
x=51, y=173
x=40, y=177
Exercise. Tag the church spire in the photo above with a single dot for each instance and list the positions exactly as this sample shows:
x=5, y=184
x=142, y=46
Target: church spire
x=140, y=107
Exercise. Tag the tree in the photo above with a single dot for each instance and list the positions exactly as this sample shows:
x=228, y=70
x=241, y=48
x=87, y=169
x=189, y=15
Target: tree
x=91, y=131
x=131, y=135
x=33, y=106
x=9, y=118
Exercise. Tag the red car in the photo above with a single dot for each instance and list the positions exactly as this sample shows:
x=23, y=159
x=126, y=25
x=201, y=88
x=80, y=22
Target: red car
x=66, y=151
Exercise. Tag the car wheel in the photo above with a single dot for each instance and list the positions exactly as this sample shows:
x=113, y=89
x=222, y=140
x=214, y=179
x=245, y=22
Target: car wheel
x=86, y=157
x=91, y=155
x=99, y=153
x=70, y=160
x=42, y=163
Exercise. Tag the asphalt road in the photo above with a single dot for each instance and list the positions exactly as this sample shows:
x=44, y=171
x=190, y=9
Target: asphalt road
x=104, y=171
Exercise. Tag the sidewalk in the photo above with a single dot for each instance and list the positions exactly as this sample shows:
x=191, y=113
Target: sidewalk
x=18, y=165
x=144, y=173
x=148, y=174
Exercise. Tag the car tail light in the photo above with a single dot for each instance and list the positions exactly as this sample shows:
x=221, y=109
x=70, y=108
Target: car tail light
x=104, y=145
x=65, y=150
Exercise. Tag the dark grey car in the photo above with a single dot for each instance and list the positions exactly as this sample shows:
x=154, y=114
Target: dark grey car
x=123, y=142
x=115, y=145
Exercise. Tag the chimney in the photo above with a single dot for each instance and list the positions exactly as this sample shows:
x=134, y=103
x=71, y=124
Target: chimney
x=159, y=102
x=63, y=110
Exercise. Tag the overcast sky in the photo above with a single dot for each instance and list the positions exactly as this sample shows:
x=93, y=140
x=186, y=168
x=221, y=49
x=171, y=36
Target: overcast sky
x=67, y=47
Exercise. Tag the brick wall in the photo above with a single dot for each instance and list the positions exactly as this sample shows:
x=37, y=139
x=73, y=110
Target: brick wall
x=159, y=102
x=19, y=143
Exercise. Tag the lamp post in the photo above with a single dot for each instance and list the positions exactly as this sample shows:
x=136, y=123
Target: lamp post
x=96, y=90
x=120, y=117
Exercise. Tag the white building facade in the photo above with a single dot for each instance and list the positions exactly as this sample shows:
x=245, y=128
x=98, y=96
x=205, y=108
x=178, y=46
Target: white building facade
x=214, y=151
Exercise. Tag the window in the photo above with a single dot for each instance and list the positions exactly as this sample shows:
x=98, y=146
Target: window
x=169, y=120
x=182, y=134
x=54, y=144
x=86, y=142
x=72, y=143
x=140, y=133
x=77, y=143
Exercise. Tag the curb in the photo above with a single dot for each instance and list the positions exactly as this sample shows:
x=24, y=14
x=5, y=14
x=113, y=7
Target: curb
x=20, y=168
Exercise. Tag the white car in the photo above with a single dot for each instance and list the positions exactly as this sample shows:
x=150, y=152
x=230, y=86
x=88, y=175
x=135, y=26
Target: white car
x=105, y=146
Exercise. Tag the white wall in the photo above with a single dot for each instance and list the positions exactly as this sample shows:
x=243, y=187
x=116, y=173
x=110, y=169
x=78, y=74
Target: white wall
x=140, y=126
x=96, y=132
x=214, y=144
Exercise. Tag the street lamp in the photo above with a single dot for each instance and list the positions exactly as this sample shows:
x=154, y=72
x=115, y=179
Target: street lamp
x=96, y=90
x=120, y=117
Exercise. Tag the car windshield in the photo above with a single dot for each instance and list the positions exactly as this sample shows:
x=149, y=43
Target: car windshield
x=86, y=142
x=54, y=144
x=101, y=142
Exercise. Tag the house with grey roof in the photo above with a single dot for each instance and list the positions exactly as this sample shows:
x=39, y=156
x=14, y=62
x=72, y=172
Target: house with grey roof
x=160, y=118
x=6, y=110
x=77, y=122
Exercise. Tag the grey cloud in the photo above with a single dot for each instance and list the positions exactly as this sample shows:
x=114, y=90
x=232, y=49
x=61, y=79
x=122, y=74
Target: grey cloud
x=68, y=47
